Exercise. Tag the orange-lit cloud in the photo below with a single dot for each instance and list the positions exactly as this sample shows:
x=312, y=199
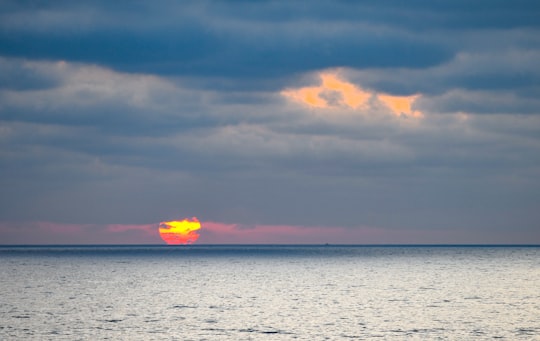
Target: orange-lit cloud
x=400, y=105
x=351, y=95
x=180, y=232
x=334, y=92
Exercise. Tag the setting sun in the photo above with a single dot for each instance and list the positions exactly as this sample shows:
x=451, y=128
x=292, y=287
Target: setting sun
x=180, y=232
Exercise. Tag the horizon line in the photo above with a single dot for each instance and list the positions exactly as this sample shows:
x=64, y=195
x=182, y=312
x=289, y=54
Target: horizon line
x=284, y=244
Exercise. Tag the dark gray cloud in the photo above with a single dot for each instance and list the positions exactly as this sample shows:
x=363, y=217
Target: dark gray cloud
x=237, y=54
x=269, y=39
x=201, y=39
x=131, y=113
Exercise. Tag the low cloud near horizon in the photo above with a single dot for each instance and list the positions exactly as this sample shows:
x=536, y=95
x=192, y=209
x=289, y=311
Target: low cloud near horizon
x=340, y=122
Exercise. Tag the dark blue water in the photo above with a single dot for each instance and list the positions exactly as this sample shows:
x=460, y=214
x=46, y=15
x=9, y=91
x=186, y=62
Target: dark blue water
x=269, y=292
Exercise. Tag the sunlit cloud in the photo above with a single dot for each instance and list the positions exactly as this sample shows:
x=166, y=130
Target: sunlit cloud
x=308, y=95
x=350, y=95
x=401, y=105
x=334, y=92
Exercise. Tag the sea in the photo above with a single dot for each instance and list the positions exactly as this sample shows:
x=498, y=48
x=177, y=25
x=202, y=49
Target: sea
x=269, y=292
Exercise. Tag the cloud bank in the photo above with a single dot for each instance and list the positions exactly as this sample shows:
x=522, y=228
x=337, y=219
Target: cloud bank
x=338, y=118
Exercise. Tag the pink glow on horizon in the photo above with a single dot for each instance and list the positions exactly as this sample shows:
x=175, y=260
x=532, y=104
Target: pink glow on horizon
x=222, y=233
x=39, y=232
x=116, y=228
x=225, y=233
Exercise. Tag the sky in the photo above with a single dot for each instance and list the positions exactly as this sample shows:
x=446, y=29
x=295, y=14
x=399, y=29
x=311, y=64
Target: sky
x=347, y=122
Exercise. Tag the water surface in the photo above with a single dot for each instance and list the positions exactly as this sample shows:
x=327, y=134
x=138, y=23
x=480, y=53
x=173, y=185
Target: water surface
x=269, y=292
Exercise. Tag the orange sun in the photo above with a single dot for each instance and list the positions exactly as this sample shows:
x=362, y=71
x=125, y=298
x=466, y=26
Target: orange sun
x=180, y=232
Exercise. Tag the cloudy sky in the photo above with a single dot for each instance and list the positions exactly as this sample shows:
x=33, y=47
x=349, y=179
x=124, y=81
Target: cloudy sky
x=271, y=121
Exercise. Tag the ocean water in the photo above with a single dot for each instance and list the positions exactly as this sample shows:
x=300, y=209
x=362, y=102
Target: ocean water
x=269, y=293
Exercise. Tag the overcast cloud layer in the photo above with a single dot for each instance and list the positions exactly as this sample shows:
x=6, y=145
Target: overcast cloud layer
x=344, y=120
